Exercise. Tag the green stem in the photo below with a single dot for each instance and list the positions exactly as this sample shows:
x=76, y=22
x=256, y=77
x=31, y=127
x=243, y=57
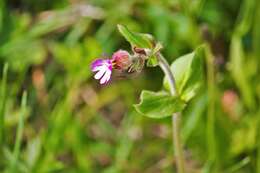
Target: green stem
x=176, y=117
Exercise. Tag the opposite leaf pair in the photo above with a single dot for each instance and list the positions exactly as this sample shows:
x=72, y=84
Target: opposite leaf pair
x=187, y=71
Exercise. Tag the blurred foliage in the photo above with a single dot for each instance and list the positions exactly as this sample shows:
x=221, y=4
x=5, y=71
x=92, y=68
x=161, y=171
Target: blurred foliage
x=68, y=123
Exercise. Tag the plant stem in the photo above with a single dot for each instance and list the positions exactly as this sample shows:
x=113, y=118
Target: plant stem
x=176, y=122
x=176, y=117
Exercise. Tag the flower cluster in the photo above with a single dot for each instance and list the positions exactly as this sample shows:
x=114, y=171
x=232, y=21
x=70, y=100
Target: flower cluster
x=103, y=67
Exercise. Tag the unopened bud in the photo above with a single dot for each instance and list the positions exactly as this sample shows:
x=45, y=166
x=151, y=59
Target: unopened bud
x=143, y=52
x=121, y=60
x=139, y=50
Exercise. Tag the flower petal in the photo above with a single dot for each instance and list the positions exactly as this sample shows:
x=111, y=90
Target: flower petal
x=103, y=67
x=106, y=77
x=100, y=73
x=97, y=68
x=96, y=63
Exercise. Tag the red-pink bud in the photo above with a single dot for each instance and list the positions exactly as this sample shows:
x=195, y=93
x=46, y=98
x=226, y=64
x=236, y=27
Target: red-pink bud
x=121, y=60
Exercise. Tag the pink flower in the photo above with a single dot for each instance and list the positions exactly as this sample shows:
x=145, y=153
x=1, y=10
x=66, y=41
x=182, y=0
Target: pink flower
x=103, y=67
x=121, y=59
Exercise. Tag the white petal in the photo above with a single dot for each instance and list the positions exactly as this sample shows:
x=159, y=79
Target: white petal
x=106, y=77
x=97, y=68
x=100, y=73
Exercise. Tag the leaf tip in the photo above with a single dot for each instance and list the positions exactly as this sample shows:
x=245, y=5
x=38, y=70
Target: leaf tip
x=120, y=27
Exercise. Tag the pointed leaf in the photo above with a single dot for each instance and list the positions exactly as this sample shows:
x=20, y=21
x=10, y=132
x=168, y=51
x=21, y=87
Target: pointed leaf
x=152, y=60
x=136, y=39
x=159, y=105
x=187, y=71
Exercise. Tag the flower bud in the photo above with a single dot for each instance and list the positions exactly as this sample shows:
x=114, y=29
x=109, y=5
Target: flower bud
x=121, y=60
x=139, y=50
x=143, y=51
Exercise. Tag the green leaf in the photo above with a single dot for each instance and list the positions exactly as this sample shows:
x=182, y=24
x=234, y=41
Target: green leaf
x=152, y=60
x=187, y=71
x=159, y=105
x=136, y=39
x=141, y=40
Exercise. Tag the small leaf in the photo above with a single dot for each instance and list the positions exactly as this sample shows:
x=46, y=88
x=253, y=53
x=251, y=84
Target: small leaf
x=159, y=105
x=187, y=71
x=157, y=48
x=136, y=39
x=152, y=60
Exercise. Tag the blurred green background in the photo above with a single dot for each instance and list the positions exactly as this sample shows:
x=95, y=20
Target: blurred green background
x=67, y=122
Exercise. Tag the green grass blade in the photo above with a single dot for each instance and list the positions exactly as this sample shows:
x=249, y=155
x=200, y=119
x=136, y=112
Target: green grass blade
x=19, y=133
x=239, y=165
x=258, y=144
x=2, y=12
x=211, y=112
x=3, y=102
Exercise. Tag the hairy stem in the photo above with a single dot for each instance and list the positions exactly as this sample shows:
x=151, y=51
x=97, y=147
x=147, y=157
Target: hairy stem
x=176, y=117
